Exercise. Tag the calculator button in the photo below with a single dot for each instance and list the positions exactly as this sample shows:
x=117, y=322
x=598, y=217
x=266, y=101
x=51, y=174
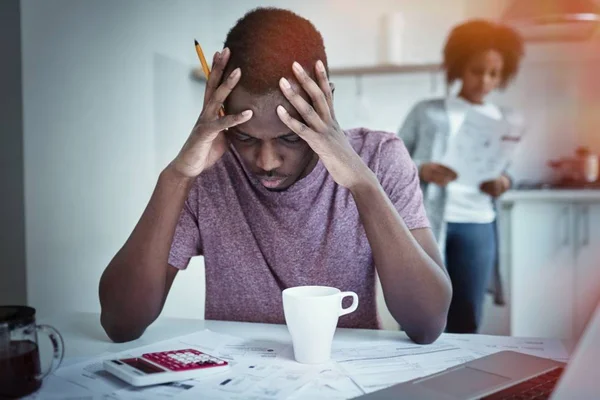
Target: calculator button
x=178, y=360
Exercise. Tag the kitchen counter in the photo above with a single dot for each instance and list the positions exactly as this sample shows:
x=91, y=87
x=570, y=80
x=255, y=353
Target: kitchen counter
x=550, y=195
x=549, y=251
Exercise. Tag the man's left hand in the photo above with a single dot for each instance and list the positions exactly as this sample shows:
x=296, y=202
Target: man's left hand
x=321, y=131
x=496, y=187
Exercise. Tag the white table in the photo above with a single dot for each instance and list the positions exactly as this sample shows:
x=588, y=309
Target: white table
x=84, y=336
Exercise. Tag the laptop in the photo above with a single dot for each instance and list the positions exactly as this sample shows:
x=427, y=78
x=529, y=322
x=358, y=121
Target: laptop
x=511, y=375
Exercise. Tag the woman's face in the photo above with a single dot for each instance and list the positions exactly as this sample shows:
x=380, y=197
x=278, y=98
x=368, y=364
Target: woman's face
x=482, y=75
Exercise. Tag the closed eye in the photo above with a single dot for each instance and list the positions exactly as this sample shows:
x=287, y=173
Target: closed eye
x=293, y=138
x=242, y=137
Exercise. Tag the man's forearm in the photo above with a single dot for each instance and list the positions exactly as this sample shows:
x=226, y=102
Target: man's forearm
x=132, y=287
x=416, y=287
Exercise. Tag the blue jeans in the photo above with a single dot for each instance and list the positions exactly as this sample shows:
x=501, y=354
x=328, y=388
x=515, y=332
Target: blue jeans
x=470, y=257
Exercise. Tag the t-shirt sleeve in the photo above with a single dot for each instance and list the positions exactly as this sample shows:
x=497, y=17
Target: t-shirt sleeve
x=399, y=178
x=186, y=241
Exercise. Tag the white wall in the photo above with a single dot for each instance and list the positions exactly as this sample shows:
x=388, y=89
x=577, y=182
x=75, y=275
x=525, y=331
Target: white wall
x=108, y=101
x=98, y=104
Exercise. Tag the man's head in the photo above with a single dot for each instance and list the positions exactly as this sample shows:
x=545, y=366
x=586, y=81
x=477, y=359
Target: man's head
x=264, y=44
x=483, y=55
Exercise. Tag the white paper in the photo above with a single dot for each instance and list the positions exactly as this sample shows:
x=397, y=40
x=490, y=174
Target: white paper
x=208, y=340
x=481, y=149
x=377, y=365
x=164, y=391
x=265, y=370
x=329, y=384
x=57, y=388
x=260, y=369
x=251, y=349
x=91, y=375
x=287, y=380
x=488, y=344
x=383, y=349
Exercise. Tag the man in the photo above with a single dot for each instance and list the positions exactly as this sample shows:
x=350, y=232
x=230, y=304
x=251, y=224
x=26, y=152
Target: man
x=274, y=194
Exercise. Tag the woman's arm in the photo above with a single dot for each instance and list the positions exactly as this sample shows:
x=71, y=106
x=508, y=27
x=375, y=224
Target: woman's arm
x=409, y=132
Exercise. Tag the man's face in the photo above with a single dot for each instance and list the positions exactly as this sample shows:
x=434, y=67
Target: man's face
x=269, y=149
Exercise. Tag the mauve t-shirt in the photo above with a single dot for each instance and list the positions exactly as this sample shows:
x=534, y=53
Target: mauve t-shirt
x=257, y=242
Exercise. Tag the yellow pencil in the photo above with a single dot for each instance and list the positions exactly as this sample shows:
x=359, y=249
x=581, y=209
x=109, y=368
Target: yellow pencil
x=205, y=69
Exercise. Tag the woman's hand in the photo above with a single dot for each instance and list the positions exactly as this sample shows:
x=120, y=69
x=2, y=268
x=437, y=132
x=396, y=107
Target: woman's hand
x=496, y=187
x=437, y=173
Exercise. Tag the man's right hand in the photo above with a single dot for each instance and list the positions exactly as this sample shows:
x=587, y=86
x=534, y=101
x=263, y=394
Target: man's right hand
x=207, y=143
x=437, y=173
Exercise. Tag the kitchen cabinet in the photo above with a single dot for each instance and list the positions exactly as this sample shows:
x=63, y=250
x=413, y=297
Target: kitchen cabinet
x=587, y=263
x=551, y=250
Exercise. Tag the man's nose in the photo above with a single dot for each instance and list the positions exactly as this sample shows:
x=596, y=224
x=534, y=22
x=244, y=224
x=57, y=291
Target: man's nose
x=268, y=158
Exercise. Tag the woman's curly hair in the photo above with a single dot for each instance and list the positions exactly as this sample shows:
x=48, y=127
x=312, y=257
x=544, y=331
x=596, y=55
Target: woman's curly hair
x=476, y=36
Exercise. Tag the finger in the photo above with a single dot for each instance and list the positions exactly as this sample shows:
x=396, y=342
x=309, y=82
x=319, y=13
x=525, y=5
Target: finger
x=442, y=172
x=445, y=180
x=215, y=102
x=324, y=85
x=498, y=189
x=447, y=171
x=437, y=168
x=307, y=112
x=314, y=91
x=210, y=85
x=301, y=129
x=219, y=64
x=228, y=121
x=439, y=178
x=448, y=177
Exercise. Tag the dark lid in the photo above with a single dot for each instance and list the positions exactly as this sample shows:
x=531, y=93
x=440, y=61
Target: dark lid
x=16, y=315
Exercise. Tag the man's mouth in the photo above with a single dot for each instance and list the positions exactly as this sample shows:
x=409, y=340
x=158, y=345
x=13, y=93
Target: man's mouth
x=271, y=182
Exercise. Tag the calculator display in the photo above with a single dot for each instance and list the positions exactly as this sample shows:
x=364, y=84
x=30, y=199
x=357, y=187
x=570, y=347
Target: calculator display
x=142, y=365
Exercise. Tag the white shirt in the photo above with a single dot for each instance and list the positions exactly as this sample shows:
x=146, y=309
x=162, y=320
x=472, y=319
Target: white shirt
x=467, y=204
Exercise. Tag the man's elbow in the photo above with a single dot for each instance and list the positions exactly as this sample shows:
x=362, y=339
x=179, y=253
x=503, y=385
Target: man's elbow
x=120, y=333
x=427, y=333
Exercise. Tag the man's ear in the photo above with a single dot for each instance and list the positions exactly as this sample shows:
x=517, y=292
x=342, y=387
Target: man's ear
x=332, y=86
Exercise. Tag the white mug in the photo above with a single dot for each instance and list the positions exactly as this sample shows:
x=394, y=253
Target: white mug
x=311, y=315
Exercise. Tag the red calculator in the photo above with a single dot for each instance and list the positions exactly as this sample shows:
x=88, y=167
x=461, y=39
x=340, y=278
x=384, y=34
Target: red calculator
x=165, y=366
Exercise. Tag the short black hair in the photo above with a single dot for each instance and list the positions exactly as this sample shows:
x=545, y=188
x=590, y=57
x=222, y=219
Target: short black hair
x=266, y=41
x=476, y=36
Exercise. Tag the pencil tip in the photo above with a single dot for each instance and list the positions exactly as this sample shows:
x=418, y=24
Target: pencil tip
x=196, y=42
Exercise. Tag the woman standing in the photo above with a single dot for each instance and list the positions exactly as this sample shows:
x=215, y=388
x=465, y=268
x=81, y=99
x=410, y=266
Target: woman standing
x=482, y=56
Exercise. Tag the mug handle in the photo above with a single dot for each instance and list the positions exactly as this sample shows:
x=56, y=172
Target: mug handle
x=57, y=344
x=353, y=307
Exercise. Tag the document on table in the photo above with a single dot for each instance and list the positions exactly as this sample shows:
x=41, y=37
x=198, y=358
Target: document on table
x=330, y=383
x=488, y=344
x=260, y=369
x=377, y=365
x=91, y=375
x=257, y=374
x=481, y=149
